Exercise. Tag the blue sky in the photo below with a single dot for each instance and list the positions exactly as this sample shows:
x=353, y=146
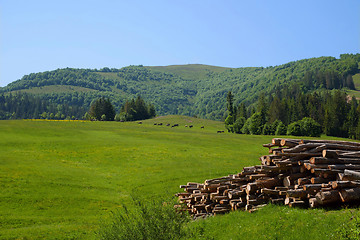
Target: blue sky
x=38, y=36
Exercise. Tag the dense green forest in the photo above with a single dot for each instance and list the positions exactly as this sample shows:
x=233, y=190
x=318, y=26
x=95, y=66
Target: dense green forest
x=184, y=89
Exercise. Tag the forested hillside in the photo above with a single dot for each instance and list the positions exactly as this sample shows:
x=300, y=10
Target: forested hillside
x=183, y=89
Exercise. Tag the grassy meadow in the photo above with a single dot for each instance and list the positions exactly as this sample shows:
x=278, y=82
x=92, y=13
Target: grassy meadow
x=62, y=179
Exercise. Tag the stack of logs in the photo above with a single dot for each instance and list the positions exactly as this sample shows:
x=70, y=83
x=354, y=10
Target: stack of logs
x=304, y=173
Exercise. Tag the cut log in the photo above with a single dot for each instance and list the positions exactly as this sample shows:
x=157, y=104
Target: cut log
x=328, y=197
x=289, y=142
x=351, y=175
x=344, y=184
x=313, y=202
x=297, y=203
x=350, y=195
x=344, y=166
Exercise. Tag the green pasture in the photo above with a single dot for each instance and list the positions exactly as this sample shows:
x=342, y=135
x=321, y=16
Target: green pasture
x=62, y=179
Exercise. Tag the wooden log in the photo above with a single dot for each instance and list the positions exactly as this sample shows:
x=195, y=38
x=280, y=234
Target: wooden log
x=277, y=201
x=269, y=145
x=350, y=195
x=327, y=197
x=313, y=202
x=327, y=153
x=270, y=191
x=301, y=148
x=324, y=160
x=302, y=181
x=312, y=187
x=351, y=175
x=350, y=154
x=297, y=203
x=296, y=193
x=315, y=180
x=301, y=154
x=289, y=142
x=251, y=188
x=276, y=142
x=331, y=142
x=344, y=184
x=268, y=183
x=344, y=166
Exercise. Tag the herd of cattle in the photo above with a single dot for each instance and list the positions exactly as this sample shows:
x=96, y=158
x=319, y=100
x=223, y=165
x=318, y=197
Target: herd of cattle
x=177, y=125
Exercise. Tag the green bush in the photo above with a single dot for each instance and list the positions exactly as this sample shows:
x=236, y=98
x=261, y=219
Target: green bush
x=246, y=129
x=266, y=129
x=149, y=220
x=305, y=127
x=256, y=123
x=238, y=125
x=274, y=126
x=294, y=129
x=281, y=129
x=310, y=127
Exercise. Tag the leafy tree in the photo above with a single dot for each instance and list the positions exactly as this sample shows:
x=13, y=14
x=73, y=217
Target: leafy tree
x=294, y=129
x=309, y=127
x=136, y=110
x=238, y=125
x=102, y=109
x=281, y=129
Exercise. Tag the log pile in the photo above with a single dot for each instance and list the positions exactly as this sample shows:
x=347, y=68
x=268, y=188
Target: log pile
x=297, y=173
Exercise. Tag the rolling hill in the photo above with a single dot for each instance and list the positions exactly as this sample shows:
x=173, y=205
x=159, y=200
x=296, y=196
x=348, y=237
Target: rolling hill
x=193, y=89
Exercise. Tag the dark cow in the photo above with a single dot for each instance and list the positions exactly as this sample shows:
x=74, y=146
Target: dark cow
x=220, y=131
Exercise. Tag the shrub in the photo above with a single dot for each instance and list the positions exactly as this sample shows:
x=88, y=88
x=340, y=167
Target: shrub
x=149, y=220
x=310, y=127
x=281, y=129
x=294, y=129
x=256, y=123
x=305, y=127
x=266, y=129
x=245, y=129
x=238, y=125
x=274, y=126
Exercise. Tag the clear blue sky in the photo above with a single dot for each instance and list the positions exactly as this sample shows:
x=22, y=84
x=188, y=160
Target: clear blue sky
x=38, y=36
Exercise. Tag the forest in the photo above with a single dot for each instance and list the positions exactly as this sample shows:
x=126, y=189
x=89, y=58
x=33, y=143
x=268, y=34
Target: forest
x=192, y=90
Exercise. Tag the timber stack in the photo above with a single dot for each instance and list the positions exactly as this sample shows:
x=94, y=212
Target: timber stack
x=297, y=173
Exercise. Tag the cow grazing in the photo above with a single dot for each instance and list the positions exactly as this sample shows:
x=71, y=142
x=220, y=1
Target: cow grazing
x=202, y=127
x=190, y=126
x=220, y=131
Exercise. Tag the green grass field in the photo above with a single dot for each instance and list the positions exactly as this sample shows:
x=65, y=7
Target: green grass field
x=62, y=179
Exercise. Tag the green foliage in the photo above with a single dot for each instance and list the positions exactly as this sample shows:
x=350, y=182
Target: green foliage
x=305, y=127
x=256, y=123
x=147, y=220
x=309, y=127
x=267, y=129
x=102, y=109
x=27, y=106
x=281, y=129
x=190, y=89
x=136, y=110
x=238, y=125
x=295, y=129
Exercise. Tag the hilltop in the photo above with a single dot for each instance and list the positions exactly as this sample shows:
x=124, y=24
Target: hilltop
x=192, y=89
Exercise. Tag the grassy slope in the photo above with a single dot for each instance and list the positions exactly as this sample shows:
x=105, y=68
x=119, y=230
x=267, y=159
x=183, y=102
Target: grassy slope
x=189, y=71
x=356, y=92
x=59, y=179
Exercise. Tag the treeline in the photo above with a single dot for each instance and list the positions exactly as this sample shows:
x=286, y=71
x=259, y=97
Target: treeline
x=188, y=89
x=136, y=109
x=27, y=106
x=293, y=112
